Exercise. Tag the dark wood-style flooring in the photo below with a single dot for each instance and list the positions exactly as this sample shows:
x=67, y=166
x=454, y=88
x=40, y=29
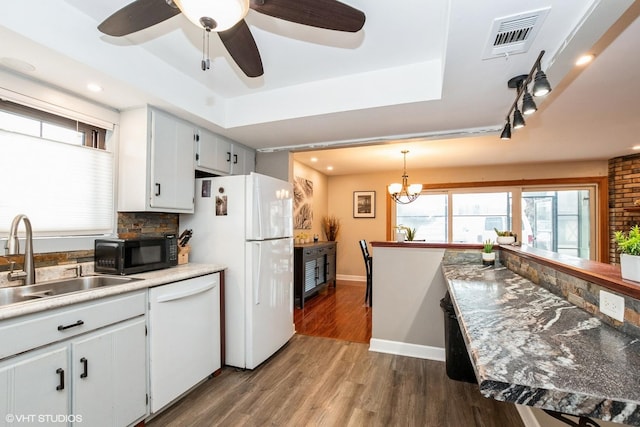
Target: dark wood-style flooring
x=328, y=381
x=336, y=313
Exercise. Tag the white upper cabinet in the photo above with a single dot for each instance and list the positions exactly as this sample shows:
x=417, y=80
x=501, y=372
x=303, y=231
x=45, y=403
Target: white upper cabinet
x=213, y=153
x=243, y=160
x=221, y=156
x=156, y=162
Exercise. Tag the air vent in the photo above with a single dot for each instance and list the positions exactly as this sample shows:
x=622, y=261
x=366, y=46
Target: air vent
x=514, y=34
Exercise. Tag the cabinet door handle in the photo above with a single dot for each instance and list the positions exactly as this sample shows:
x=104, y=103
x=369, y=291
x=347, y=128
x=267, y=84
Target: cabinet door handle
x=85, y=365
x=228, y=156
x=60, y=372
x=235, y=159
x=73, y=325
x=157, y=188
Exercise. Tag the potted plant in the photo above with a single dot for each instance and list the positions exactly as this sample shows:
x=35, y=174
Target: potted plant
x=488, y=255
x=629, y=247
x=505, y=237
x=409, y=233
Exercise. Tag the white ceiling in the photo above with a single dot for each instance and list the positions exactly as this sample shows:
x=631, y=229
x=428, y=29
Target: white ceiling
x=411, y=78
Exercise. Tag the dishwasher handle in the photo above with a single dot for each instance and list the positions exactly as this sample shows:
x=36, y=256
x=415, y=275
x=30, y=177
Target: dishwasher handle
x=186, y=293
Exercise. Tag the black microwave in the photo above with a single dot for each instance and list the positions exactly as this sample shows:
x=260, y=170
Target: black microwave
x=129, y=256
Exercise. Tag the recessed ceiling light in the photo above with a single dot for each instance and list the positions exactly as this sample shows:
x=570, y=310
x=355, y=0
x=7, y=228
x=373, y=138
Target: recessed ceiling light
x=585, y=59
x=94, y=87
x=636, y=147
x=329, y=168
x=314, y=159
x=17, y=64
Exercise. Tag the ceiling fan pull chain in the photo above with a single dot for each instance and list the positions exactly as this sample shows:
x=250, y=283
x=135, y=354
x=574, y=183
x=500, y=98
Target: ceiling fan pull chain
x=203, y=64
x=208, y=44
x=206, y=62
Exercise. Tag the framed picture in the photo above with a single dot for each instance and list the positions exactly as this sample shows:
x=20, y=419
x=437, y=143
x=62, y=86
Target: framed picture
x=364, y=204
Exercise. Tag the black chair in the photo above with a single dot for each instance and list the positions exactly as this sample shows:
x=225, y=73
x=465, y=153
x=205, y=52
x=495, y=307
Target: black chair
x=368, y=263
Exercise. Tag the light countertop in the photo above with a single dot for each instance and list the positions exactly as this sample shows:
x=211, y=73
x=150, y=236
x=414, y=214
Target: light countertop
x=531, y=347
x=151, y=279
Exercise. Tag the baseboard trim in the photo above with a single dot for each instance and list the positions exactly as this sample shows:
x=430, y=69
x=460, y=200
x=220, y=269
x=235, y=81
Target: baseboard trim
x=526, y=414
x=407, y=349
x=351, y=278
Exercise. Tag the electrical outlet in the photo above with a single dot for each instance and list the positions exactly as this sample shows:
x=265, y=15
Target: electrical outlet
x=612, y=305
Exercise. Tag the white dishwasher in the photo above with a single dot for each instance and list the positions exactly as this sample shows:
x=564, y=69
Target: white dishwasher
x=184, y=336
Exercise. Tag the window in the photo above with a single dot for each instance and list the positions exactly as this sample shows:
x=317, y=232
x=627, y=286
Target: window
x=552, y=217
x=61, y=174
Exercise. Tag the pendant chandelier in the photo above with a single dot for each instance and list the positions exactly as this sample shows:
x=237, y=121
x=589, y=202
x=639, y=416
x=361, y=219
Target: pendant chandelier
x=404, y=193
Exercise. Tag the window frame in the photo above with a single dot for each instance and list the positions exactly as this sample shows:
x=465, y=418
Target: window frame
x=600, y=205
x=95, y=137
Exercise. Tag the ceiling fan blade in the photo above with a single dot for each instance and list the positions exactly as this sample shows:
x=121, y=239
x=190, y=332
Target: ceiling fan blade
x=137, y=16
x=329, y=14
x=242, y=47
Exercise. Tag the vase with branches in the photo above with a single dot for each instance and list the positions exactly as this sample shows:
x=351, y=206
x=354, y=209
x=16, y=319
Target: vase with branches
x=331, y=226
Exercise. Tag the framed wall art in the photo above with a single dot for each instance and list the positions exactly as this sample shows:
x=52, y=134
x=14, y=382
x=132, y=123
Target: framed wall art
x=364, y=204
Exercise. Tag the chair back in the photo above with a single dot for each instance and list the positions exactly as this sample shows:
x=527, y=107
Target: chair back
x=365, y=255
x=365, y=251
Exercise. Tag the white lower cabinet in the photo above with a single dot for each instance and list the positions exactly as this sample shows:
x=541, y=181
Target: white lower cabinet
x=86, y=367
x=109, y=375
x=35, y=385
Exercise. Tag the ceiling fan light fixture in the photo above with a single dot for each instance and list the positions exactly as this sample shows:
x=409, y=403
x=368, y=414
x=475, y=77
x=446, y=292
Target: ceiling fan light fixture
x=223, y=13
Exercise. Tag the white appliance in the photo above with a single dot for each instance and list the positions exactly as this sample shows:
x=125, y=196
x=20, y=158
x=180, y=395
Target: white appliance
x=245, y=222
x=184, y=336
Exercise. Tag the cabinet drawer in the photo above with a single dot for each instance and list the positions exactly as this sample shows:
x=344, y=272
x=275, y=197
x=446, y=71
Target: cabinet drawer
x=27, y=332
x=310, y=253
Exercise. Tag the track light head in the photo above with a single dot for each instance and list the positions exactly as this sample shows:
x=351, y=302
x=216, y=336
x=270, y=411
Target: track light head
x=506, y=131
x=518, y=120
x=528, y=104
x=541, y=85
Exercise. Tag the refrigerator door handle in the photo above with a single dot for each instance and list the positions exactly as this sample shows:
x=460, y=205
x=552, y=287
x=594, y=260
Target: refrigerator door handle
x=258, y=203
x=256, y=278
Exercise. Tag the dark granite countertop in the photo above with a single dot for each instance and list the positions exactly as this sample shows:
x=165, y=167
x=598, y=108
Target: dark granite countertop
x=531, y=347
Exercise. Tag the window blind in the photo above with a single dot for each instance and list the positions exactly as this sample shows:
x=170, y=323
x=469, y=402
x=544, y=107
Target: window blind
x=65, y=190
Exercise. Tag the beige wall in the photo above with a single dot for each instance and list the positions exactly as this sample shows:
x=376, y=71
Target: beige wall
x=320, y=198
x=341, y=188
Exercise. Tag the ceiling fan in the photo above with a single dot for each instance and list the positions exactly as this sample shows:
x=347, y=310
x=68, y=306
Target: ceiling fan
x=226, y=17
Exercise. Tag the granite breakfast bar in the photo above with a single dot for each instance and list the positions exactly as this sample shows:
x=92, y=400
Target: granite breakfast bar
x=531, y=347
x=533, y=330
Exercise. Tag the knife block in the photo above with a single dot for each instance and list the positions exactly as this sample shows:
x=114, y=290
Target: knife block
x=183, y=254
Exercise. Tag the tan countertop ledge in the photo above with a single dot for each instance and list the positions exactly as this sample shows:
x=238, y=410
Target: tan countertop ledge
x=151, y=279
x=606, y=275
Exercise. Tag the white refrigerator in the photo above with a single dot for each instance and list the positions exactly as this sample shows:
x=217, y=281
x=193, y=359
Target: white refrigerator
x=245, y=222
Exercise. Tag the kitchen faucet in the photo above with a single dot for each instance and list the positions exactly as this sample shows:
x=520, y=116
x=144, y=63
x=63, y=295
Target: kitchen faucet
x=13, y=247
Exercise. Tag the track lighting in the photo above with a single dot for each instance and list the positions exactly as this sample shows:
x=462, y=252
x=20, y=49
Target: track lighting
x=541, y=85
x=528, y=104
x=518, y=120
x=506, y=131
x=521, y=83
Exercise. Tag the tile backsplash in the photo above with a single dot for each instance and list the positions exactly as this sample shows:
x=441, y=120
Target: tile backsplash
x=130, y=225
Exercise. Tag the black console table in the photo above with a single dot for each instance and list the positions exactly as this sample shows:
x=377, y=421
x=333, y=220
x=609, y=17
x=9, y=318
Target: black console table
x=314, y=267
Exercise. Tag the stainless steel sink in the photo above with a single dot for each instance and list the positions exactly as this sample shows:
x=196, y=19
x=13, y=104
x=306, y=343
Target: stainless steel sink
x=58, y=287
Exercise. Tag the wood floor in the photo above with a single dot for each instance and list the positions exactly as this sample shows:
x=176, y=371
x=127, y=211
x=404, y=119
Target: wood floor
x=318, y=381
x=336, y=313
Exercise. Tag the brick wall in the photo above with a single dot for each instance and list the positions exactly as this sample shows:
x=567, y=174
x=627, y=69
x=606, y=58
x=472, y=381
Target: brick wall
x=624, y=189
